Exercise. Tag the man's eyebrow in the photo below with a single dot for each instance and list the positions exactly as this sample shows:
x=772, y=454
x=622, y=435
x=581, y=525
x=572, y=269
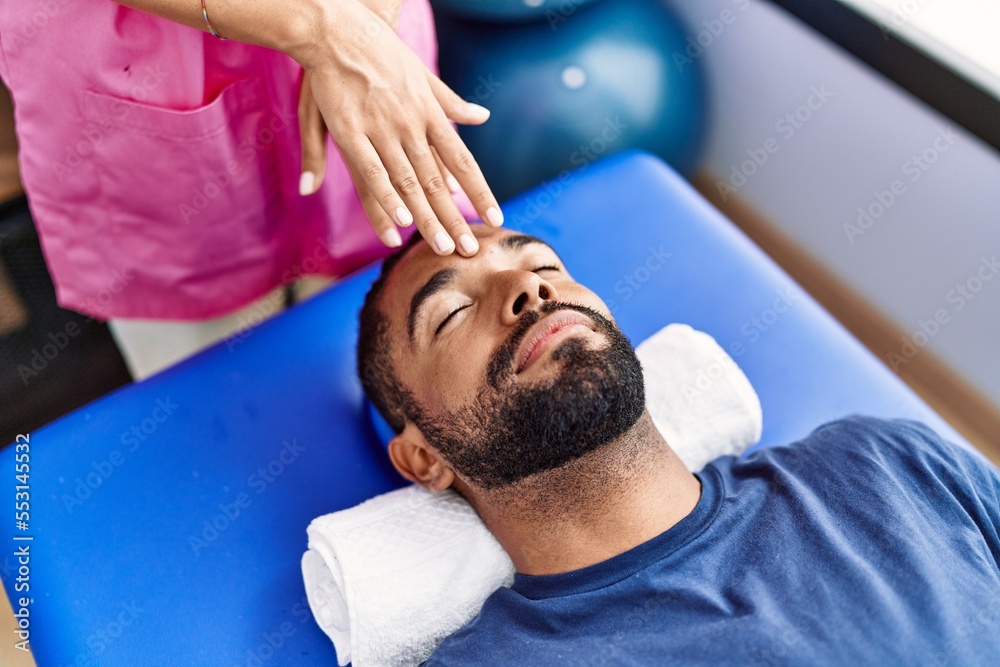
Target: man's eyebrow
x=515, y=241
x=437, y=282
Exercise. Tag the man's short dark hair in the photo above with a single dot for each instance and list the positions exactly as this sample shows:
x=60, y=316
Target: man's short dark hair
x=378, y=377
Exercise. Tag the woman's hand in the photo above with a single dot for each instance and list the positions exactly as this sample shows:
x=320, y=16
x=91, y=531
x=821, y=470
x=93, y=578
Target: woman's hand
x=387, y=113
x=389, y=116
x=387, y=10
x=312, y=130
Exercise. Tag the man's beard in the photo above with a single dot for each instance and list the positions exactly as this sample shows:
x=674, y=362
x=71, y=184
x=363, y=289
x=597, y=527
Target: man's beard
x=510, y=431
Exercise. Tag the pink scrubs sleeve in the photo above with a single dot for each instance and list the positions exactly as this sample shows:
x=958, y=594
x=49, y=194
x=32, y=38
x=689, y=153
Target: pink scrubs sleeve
x=162, y=165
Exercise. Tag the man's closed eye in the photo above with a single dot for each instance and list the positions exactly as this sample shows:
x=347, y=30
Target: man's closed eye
x=450, y=315
x=461, y=308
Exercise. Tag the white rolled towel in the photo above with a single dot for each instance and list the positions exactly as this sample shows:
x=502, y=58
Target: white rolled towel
x=388, y=579
x=377, y=574
x=700, y=401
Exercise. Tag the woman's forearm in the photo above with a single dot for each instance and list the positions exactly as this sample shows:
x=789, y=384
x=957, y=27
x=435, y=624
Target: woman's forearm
x=383, y=107
x=290, y=26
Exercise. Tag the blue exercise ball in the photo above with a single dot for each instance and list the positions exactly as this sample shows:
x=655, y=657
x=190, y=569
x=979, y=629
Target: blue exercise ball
x=615, y=75
x=553, y=11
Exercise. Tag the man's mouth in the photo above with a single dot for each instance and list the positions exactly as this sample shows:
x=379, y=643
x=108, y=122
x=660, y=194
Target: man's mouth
x=547, y=332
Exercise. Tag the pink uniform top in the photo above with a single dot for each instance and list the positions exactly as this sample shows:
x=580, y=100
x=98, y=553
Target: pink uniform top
x=162, y=165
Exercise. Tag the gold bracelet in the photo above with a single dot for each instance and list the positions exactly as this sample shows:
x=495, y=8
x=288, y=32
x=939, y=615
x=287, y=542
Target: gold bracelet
x=204, y=12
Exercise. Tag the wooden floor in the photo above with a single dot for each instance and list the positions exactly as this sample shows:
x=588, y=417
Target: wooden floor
x=949, y=394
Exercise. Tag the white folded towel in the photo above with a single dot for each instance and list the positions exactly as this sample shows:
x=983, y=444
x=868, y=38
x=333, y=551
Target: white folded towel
x=700, y=401
x=388, y=579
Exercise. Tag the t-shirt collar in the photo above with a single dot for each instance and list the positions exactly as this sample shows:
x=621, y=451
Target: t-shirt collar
x=627, y=563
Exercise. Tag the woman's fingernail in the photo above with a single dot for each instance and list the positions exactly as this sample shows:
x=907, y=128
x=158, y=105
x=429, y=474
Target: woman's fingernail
x=468, y=243
x=480, y=111
x=392, y=238
x=307, y=183
x=404, y=217
x=452, y=183
x=494, y=216
x=444, y=243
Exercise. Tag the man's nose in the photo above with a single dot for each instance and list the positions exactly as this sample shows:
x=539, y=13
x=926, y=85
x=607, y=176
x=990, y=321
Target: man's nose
x=525, y=291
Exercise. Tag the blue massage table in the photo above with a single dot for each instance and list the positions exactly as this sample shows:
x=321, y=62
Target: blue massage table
x=169, y=517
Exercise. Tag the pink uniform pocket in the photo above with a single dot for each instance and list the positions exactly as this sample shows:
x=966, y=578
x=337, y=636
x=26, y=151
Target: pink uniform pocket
x=192, y=196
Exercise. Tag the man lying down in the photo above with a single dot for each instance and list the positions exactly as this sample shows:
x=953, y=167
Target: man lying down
x=869, y=542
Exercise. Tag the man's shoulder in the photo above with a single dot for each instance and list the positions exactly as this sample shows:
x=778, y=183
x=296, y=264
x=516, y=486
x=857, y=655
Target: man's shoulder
x=865, y=436
x=887, y=440
x=860, y=448
x=482, y=637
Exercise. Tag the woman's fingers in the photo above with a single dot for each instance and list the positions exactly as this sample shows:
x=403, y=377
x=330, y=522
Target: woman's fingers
x=372, y=181
x=457, y=158
x=449, y=180
x=312, y=130
x=383, y=225
x=454, y=155
x=386, y=113
x=455, y=108
x=411, y=188
x=439, y=197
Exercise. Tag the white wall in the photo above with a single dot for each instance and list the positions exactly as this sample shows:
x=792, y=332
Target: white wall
x=763, y=65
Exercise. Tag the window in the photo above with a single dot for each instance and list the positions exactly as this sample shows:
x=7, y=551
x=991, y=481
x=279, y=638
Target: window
x=961, y=34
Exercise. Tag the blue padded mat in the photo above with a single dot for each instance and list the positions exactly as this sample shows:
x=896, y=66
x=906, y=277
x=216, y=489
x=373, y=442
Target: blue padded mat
x=169, y=517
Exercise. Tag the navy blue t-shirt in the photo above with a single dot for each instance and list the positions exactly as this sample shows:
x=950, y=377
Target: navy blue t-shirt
x=868, y=542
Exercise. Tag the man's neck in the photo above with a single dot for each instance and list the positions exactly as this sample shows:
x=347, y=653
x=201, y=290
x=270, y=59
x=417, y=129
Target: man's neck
x=596, y=507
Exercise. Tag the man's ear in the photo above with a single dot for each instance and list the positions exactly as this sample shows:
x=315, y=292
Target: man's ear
x=417, y=462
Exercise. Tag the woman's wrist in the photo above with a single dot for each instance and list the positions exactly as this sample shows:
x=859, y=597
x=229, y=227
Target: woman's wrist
x=297, y=28
x=306, y=29
x=290, y=26
x=326, y=31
